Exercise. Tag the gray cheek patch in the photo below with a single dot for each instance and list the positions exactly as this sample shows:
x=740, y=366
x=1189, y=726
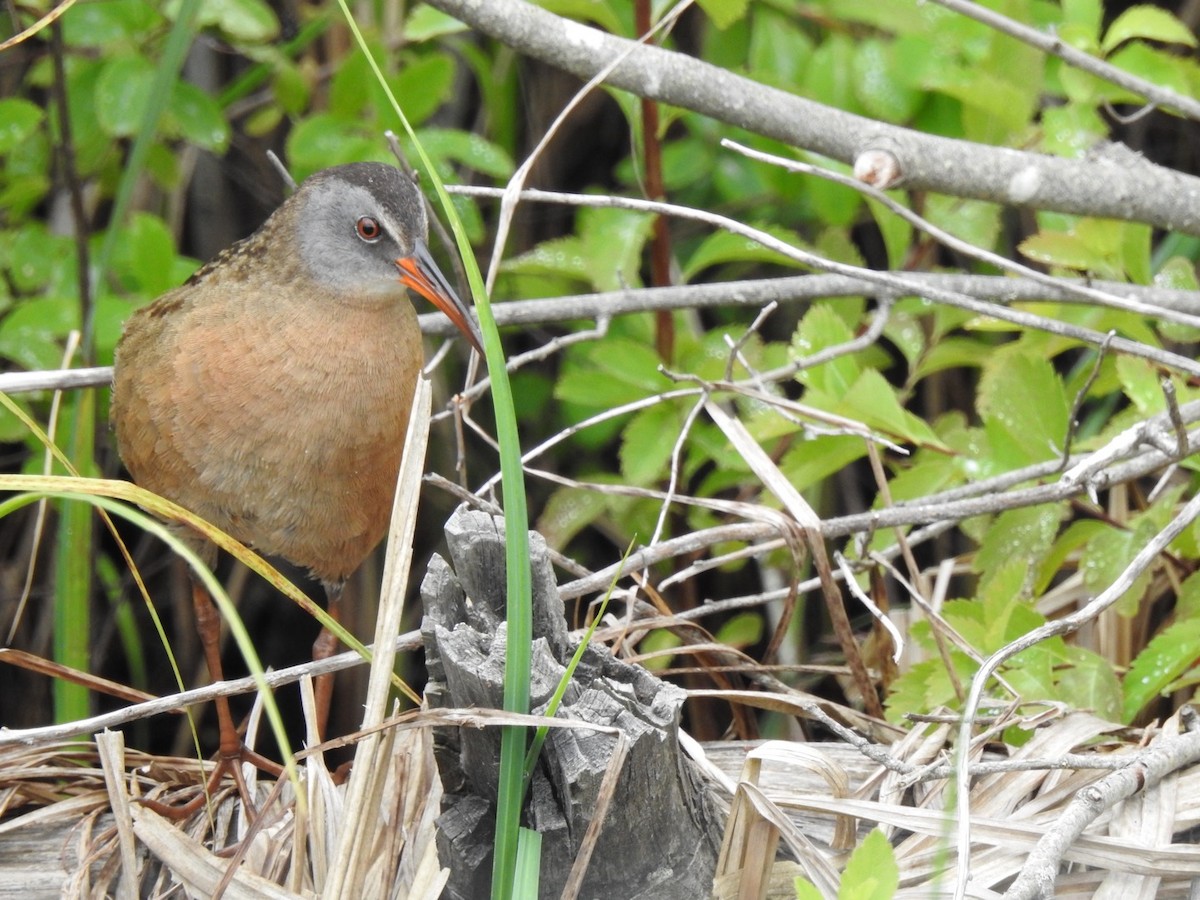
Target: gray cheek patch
x=329, y=246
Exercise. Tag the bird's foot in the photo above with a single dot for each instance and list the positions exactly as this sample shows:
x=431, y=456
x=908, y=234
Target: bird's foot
x=227, y=764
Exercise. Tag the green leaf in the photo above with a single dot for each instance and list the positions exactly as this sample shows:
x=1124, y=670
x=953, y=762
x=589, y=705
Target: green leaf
x=952, y=353
x=423, y=85
x=347, y=95
x=112, y=312
x=834, y=204
x=144, y=255
x=873, y=400
x=1178, y=274
x=1021, y=398
x=12, y=429
x=613, y=240
x=657, y=640
x=121, y=94
x=1072, y=130
x=1002, y=615
x=896, y=232
x=1031, y=673
x=871, y=872
x=1109, y=553
x=931, y=472
x=724, y=12
x=975, y=221
x=21, y=193
x=779, y=49
x=1158, y=66
x=1086, y=680
x=742, y=631
x=1140, y=382
x=620, y=371
x=807, y=462
x=469, y=149
x=1085, y=14
x=248, y=21
x=1170, y=654
x=425, y=23
x=882, y=94
x=527, y=876
x=647, y=442
x=1134, y=251
x=909, y=335
x=586, y=11
x=1147, y=22
x=1187, y=602
x=198, y=118
x=1008, y=105
x=685, y=162
x=725, y=247
x=98, y=24
x=567, y=512
x=291, y=87
x=560, y=256
x=1021, y=535
x=927, y=685
x=830, y=74
x=37, y=260
x=1058, y=248
x=820, y=329
x=806, y=890
x=1079, y=86
x=326, y=140
x=30, y=333
x=19, y=120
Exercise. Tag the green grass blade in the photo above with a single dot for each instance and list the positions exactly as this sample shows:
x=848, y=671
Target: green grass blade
x=73, y=570
x=527, y=874
x=152, y=525
x=510, y=791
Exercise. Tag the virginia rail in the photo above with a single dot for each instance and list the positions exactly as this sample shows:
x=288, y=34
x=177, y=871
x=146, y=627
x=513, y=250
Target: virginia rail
x=270, y=393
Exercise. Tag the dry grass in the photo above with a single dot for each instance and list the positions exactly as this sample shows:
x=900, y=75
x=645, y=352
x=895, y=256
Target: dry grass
x=816, y=800
x=109, y=845
x=1125, y=850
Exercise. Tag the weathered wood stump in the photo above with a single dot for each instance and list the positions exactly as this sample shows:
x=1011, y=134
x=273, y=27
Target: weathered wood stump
x=661, y=836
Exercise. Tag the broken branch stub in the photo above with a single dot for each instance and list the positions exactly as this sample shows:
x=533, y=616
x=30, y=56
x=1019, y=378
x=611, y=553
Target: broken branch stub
x=661, y=834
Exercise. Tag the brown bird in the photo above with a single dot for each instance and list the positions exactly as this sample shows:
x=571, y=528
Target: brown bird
x=271, y=392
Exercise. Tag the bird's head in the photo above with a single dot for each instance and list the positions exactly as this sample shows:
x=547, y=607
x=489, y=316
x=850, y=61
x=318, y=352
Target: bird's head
x=361, y=231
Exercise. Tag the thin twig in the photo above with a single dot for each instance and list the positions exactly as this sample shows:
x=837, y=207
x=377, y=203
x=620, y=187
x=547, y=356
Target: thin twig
x=175, y=703
x=1085, y=62
x=1083, y=291
x=899, y=285
x=1066, y=625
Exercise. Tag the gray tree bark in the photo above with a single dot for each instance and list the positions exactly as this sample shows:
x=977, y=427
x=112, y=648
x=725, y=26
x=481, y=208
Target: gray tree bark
x=661, y=836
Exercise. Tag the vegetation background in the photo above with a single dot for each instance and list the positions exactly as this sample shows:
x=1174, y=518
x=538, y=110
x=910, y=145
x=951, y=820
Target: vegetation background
x=133, y=140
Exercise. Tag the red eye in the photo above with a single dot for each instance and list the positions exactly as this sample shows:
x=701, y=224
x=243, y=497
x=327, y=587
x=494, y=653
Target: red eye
x=368, y=229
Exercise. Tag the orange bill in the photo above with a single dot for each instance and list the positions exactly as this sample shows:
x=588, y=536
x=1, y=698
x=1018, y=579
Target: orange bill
x=421, y=273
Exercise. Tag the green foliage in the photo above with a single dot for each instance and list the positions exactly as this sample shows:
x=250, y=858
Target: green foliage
x=951, y=397
x=920, y=65
x=871, y=873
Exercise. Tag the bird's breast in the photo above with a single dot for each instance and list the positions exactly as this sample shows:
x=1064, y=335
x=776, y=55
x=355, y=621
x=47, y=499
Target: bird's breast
x=286, y=428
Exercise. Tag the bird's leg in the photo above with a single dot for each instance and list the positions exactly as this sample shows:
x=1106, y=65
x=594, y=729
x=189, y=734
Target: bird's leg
x=232, y=751
x=324, y=647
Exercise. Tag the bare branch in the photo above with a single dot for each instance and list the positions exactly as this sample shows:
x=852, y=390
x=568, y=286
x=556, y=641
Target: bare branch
x=751, y=294
x=1142, y=770
x=1052, y=44
x=1135, y=189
